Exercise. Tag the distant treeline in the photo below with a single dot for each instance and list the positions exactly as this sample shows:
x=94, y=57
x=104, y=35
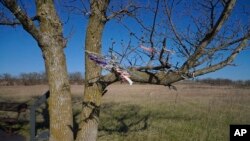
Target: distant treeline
x=223, y=82
x=35, y=78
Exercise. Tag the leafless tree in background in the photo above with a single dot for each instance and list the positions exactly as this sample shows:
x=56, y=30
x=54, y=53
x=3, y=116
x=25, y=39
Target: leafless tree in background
x=76, y=78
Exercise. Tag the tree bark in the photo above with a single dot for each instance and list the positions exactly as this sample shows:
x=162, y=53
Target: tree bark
x=52, y=44
x=60, y=109
x=93, y=91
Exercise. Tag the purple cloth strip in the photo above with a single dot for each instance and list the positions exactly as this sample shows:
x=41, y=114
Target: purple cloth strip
x=97, y=60
x=109, y=65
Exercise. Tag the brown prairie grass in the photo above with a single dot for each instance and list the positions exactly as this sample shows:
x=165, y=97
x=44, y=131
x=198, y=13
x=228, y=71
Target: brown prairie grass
x=150, y=112
x=193, y=112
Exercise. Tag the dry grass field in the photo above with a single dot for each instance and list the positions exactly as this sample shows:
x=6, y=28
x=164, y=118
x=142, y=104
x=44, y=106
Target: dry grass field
x=149, y=112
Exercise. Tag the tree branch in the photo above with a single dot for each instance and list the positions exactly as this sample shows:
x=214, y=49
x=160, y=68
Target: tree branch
x=209, y=36
x=224, y=63
x=16, y=22
x=153, y=30
x=176, y=34
x=26, y=22
x=128, y=10
x=165, y=78
x=115, y=14
x=213, y=50
x=158, y=78
x=10, y=23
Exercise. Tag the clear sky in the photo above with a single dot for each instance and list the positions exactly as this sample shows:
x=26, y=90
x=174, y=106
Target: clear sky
x=20, y=53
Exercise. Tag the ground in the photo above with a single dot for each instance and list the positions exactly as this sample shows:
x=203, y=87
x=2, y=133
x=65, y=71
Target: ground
x=150, y=112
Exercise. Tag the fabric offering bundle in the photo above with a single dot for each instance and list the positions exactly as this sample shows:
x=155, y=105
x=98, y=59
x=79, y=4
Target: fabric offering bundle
x=110, y=65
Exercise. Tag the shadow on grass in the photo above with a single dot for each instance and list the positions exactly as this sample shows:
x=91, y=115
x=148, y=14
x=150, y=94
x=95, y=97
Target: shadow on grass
x=10, y=137
x=42, y=126
x=45, y=114
x=12, y=127
x=121, y=119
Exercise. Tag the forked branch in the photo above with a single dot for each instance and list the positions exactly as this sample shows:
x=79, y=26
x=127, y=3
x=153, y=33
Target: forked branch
x=26, y=22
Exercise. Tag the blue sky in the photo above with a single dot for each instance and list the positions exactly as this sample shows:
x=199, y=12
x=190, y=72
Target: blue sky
x=19, y=51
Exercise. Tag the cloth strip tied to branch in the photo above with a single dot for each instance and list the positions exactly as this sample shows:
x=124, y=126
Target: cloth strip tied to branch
x=109, y=65
x=124, y=75
x=149, y=49
x=153, y=50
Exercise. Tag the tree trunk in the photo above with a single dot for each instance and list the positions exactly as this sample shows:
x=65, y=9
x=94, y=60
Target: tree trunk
x=60, y=109
x=92, y=94
x=50, y=39
x=52, y=44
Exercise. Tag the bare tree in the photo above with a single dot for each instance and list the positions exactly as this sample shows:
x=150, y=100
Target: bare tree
x=76, y=78
x=32, y=78
x=6, y=79
x=45, y=27
x=208, y=44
